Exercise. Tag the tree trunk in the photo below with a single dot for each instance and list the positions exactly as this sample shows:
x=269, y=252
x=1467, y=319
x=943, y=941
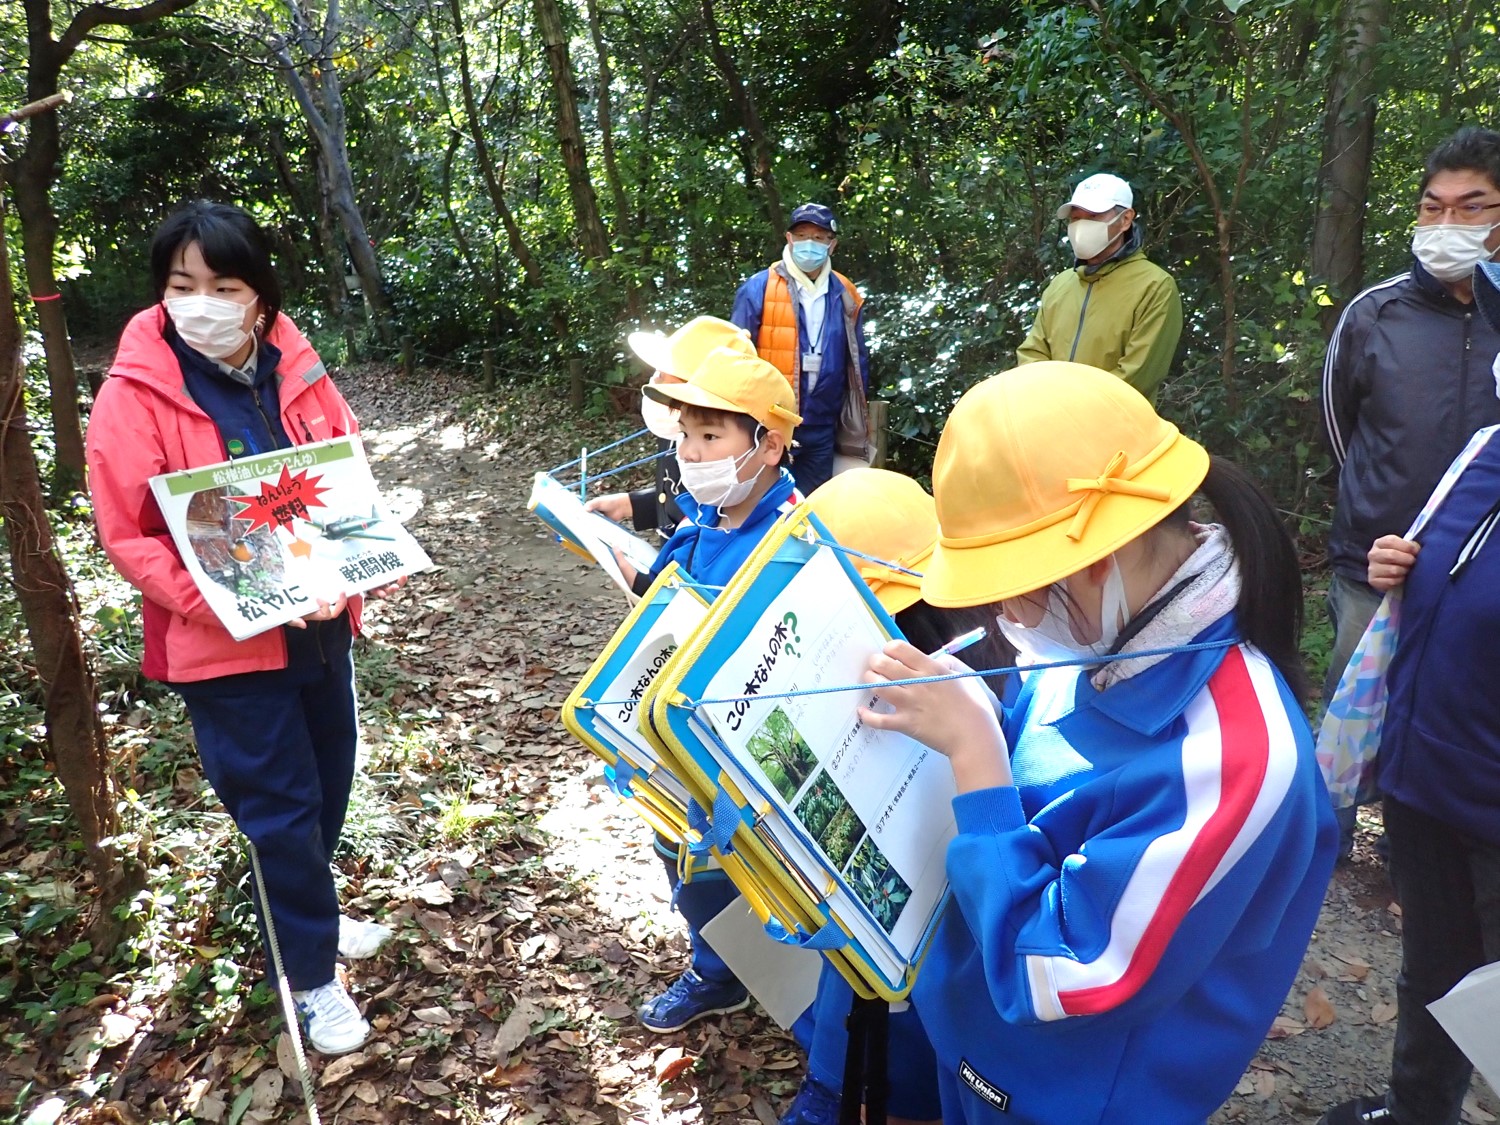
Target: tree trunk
x=744, y=101
x=594, y=241
x=32, y=176
x=1348, y=141
x=487, y=170
x=75, y=738
x=605, y=113
x=322, y=104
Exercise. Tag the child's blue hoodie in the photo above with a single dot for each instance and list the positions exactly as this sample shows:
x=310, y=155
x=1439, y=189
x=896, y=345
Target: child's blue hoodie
x=1128, y=918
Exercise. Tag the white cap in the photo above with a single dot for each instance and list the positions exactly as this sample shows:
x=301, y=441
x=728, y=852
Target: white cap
x=1099, y=193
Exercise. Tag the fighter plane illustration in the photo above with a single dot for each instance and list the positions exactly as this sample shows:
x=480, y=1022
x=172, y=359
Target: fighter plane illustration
x=354, y=527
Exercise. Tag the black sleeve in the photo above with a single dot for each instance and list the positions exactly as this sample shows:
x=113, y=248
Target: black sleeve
x=642, y=583
x=643, y=509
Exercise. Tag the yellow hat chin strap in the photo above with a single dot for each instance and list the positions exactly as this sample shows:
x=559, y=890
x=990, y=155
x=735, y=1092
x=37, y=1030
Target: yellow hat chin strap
x=1111, y=480
x=885, y=574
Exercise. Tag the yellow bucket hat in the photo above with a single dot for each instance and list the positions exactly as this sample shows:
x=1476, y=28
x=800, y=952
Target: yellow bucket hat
x=727, y=379
x=1042, y=471
x=679, y=354
x=883, y=514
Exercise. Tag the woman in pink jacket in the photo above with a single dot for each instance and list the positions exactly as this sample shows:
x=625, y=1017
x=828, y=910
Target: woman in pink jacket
x=213, y=371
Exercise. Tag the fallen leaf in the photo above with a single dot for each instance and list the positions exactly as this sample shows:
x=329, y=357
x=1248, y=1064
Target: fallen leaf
x=516, y=1029
x=1284, y=1027
x=1383, y=1013
x=1318, y=1008
x=116, y=1028
x=672, y=1062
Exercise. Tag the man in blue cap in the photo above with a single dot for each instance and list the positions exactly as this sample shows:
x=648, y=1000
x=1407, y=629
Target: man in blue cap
x=805, y=318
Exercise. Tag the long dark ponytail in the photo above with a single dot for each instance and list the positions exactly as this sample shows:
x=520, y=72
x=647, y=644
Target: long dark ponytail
x=1270, y=606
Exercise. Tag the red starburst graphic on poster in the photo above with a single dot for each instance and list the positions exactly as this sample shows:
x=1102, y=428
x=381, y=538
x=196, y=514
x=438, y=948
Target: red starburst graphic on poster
x=280, y=503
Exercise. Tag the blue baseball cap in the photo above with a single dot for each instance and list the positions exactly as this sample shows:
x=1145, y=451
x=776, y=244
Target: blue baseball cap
x=1487, y=292
x=816, y=214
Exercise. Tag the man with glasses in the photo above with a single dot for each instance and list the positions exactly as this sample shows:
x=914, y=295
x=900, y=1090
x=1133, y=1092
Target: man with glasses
x=1113, y=310
x=1410, y=374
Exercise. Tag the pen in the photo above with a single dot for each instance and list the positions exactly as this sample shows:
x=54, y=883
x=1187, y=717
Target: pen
x=959, y=643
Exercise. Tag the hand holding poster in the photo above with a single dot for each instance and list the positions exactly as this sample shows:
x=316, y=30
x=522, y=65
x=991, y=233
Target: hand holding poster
x=267, y=537
x=588, y=533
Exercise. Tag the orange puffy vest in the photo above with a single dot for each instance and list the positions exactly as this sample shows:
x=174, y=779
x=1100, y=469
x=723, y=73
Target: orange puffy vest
x=777, y=342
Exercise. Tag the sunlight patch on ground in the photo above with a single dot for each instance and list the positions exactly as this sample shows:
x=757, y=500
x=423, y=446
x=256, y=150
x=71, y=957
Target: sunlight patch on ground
x=596, y=839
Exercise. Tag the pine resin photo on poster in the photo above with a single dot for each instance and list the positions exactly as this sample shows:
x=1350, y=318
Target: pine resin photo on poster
x=243, y=561
x=782, y=754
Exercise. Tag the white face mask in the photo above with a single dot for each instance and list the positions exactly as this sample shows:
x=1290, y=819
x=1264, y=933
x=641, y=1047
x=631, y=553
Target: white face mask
x=717, y=484
x=1089, y=237
x=1053, y=639
x=660, y=419
x=210, y=325
x=1450, y=251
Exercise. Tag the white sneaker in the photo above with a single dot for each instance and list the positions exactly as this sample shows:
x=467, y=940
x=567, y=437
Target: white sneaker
x=361, y=939
x=331, y=1021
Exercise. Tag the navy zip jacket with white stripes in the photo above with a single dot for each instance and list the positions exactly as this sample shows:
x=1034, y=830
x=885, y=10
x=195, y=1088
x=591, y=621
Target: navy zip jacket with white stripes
x=1410, y=375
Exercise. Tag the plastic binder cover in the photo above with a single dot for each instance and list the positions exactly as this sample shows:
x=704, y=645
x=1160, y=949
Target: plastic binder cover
x=849, y=825
x=604, y=710
x=588, y=533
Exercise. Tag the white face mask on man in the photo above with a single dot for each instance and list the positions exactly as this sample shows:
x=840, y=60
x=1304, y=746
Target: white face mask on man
x=1089, y=237
x=210, y=325
x=1052, y=638
x=717, y=484
x=1450, y=251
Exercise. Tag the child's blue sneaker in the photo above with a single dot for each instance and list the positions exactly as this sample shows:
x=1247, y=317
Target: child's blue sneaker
x=815, y=1104
x=690, y=998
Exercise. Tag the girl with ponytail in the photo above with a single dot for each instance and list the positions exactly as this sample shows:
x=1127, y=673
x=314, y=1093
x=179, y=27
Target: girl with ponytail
x=1143, y=836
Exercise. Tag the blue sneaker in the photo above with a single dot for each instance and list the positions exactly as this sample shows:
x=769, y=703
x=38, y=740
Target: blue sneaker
x=690, y=998
x=815, y=1104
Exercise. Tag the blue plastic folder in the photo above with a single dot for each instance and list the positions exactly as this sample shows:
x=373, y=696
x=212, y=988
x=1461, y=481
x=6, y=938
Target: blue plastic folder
x=836, y=833
x=622, y=673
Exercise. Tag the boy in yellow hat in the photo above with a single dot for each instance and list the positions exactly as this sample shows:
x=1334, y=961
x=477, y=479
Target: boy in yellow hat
x=672, y=359
x=1144, y=838
x=736, y=415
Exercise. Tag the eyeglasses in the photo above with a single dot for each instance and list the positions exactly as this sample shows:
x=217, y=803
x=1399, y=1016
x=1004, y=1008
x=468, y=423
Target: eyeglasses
x=1463, y=212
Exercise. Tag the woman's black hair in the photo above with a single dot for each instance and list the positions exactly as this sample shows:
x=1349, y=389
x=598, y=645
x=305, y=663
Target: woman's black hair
x=233, y=245
x=1269, y=612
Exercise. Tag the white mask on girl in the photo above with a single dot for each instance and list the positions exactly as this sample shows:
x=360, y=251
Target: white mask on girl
x=210, y=325
x=1053, y=639
x=717, y=484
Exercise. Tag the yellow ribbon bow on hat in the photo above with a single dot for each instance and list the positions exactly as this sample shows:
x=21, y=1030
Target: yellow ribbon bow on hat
x=1111, y=480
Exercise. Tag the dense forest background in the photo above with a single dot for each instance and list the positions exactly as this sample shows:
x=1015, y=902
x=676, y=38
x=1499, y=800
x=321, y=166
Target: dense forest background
x=500, y=190
x=535, y=178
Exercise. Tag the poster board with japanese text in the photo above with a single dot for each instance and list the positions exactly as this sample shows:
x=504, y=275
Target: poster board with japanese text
x=266, y=537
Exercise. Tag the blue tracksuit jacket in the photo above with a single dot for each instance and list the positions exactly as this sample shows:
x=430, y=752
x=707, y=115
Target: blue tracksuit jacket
x=1128, y=918
x=1440, y=750
x=712, y=555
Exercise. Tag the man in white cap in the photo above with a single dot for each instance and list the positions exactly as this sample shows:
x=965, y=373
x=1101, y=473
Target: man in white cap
x=1114, y=309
